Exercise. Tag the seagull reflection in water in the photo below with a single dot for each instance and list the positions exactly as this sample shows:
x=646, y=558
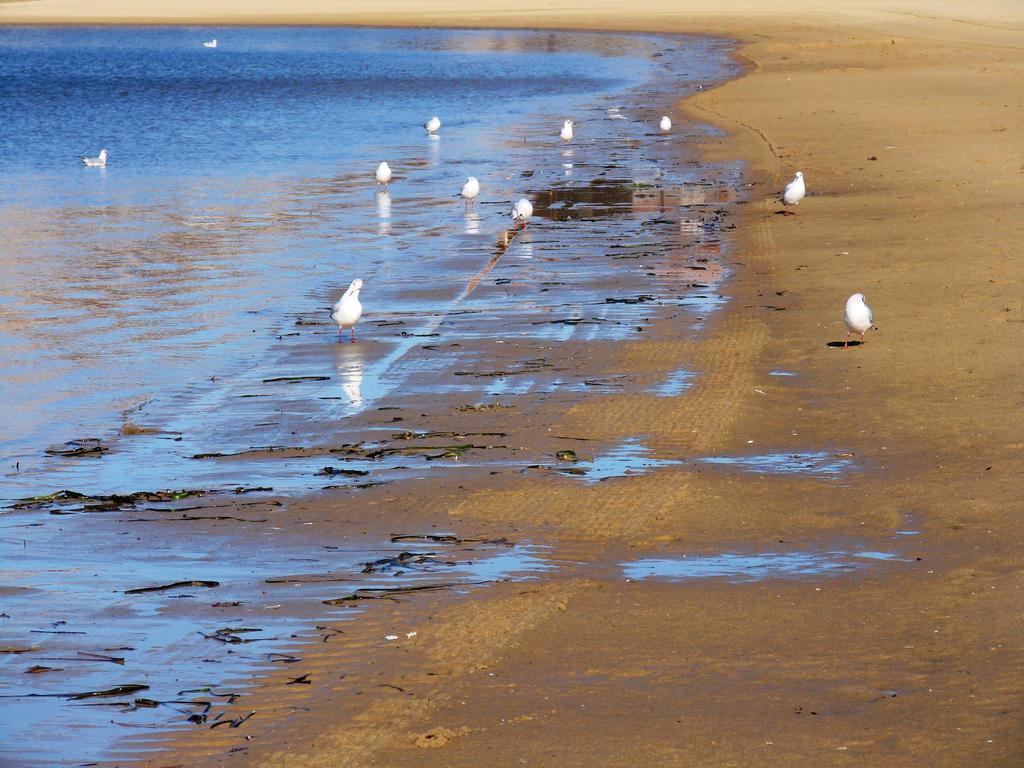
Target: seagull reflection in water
x=350, y=362
x=384, y=213
x=472, y=221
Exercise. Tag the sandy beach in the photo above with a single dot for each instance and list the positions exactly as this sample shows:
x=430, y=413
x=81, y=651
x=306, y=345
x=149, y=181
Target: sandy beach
x=908, y=124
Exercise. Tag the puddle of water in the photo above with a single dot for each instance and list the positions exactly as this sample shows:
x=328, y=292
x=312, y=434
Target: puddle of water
x=677, y=382
x=781, y=373
x=739, y=568
x=817, y=463
x=629, y=458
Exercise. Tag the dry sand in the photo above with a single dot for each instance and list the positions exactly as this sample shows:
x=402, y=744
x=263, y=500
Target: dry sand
x=908, y=120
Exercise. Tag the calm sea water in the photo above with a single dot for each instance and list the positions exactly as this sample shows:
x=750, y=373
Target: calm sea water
x=238, y=193
x=237, y=204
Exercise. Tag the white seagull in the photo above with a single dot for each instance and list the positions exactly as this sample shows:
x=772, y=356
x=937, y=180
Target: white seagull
x=347, y=310
x=96, y=162
x=857, y=318
x=210, y=43
x=383, y=175
x=432, y=125
x=521, y=213
x=470, y=190
x=795, y=190
x=566, y=132
x=666, y=123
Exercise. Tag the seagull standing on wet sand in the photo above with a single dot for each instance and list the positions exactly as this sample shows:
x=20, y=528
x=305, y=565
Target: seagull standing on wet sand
x=383, y=175
x=432, y=125
x=857, y=318
x=566, y=133
x=470, y=190
x=795, y=190
x=666, y=123
x=347, y=310
x=96, y=162
x=521, y=213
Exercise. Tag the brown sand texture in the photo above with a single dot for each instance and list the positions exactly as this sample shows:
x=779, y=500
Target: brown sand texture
x=907, y=119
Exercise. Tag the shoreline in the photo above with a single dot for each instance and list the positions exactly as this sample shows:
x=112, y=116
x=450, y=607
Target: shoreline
x=639, y=102
x=891, y=667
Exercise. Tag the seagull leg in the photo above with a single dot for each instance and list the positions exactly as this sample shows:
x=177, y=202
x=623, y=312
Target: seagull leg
x=352, y=339
x=862, y=338
x=846, y=341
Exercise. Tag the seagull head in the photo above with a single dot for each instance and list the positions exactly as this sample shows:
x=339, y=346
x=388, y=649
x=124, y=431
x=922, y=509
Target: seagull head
x=354, y=286
x=799, y=174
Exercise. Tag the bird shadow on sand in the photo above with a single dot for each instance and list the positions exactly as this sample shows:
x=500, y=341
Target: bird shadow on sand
x=840, y=344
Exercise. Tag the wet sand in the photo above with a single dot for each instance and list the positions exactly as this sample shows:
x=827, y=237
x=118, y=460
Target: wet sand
x=908, y=127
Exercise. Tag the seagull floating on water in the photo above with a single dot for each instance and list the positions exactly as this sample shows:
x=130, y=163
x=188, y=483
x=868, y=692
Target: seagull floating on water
x=795, y=190
x=521, y=213
x=566, y=133
x=666, y=123
x=210, y=43
x=347, y=310
x=383, y=175
x=433, y=124
x=96, y=162
x=857, y=318
x=470, y=190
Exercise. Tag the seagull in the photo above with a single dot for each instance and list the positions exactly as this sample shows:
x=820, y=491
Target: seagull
x=433, y=124
x=665, y=124
x=566, y=132
x=857, y=318
x=347, y=310
x=795, y=190
x=521, y=212
x=97, y=162
x=470, y=190
x=383, y=175
x=210, y=43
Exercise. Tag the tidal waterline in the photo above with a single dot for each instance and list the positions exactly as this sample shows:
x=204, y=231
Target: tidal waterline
x=182, y=292
x=166, y=289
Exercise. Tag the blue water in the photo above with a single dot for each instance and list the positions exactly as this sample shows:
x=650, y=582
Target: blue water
x=740, y=568
x=272, y=102
x=238, y=200
x=65, y=597
x=169, y=289
x=811, y=463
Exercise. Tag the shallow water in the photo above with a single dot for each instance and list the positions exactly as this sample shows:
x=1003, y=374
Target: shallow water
x=813, y=463
x=630, y=457
x=67, y=598
x=172, y=287
x=739, y=568
x=675, y=384
x=185, y=289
